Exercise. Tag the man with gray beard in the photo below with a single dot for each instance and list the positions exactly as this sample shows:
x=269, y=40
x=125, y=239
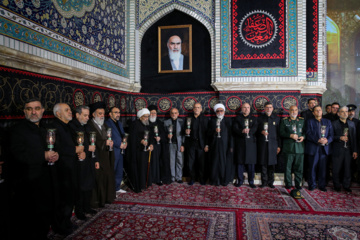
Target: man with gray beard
x=104, y=192
x=221, y=148
x=175, y=60
x=140, y=148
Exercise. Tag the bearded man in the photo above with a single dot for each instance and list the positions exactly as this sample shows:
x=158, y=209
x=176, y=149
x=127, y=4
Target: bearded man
x=117, y=136
x=220, y=148
x=157, y=156
x=140, y=148
x=104, y=191
x=175, y=60
x=32, y=176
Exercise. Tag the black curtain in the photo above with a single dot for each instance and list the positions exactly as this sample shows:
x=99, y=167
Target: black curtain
x=197, y=80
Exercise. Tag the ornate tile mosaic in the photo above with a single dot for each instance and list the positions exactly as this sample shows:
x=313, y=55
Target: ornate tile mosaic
x=148, y=8
x=290, y=70
x=93, y=32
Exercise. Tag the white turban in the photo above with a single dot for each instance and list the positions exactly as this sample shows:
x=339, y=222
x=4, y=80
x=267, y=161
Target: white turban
x=219, y=105
x=143, y=112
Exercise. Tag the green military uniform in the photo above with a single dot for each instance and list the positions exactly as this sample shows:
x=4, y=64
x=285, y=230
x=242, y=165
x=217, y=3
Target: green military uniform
x=293, y=151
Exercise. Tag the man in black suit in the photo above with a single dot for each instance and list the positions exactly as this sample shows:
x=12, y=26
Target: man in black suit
x=355, y=165
x=69, y=154
x=32, y=176
x=344, y=148
x=197, y=144
x=244, y=128
x=307, y=114
x=85, y=165
x=334, y=110
x=175, y=60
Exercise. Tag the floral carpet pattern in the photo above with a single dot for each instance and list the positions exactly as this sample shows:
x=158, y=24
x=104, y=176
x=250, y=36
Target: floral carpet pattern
x=333, y=201
x=123, y=221
x=260, y=225
x=214, y=196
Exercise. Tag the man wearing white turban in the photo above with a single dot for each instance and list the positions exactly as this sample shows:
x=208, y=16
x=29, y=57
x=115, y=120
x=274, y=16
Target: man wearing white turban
x=220, y=148
x=139, y=174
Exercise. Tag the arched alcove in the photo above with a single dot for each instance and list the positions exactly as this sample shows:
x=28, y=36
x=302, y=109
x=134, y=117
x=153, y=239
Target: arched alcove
x=197, y=80
x=333, y=45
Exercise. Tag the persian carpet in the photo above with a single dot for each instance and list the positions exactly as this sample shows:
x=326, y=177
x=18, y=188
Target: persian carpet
x=214, y=196
x=122, y=221
x=265, y=225
x=333, y=201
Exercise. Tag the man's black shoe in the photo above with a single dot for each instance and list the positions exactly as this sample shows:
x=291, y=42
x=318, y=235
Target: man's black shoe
x=337, y=189
x=271, y=185
x=311, y=188
x=298, y=187
x=159, y=183
x=252, y=186
x=191, y=183
x=262, y=185
x=323, y=189
x=238, y=184
x=179, y=181
x=348, y=190
x=203, y=183
x=287, y=186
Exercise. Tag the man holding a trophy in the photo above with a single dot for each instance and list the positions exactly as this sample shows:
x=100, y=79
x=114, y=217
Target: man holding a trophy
x=319, y=134
x=244, y=128
x=85, y=166
x=345, y=149
x=141, y=142
x=117, y=136
x=221, y=148
x=268, y=144
x=174, y=128
x=104, y=192
x=32, y=176
x=293, y=133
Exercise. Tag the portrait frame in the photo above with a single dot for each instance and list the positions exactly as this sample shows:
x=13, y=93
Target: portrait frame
x=184, y=32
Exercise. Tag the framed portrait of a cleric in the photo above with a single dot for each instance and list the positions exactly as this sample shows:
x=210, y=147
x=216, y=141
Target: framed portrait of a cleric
x=175, y=49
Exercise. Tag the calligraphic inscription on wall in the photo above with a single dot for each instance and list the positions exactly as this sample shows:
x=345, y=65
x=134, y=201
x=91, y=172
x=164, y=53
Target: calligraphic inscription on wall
x=258, y=34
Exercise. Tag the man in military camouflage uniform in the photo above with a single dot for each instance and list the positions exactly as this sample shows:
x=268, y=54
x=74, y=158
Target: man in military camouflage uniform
x=292, y=132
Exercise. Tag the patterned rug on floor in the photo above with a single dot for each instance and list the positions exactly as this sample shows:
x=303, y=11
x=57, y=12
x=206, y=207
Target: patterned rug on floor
x=122, y=221
x=214, y=196
x=262, y=225
x=333, y=201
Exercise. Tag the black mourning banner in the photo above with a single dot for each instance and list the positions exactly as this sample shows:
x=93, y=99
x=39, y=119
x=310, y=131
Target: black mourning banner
x=312, y=30
x=258, y=33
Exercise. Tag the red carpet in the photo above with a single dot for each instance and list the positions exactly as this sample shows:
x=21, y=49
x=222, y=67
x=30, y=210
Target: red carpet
x=180, y=211
x=120, y=221
x=214, y=197
x=332, y=201
x=263, y=225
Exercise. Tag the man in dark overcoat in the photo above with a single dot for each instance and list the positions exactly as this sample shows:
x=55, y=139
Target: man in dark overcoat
x=140, y=150
x=85, y=165
x=344, y=148
x=268, y=144
x=67, y=175
x=245, y=144
x=32, y=176
x=197, y=145
x=221, y=148
x=104, y=191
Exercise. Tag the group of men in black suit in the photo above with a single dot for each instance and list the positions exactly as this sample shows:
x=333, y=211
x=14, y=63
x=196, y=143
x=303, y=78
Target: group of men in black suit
x=80, y=172
x=62, y=167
